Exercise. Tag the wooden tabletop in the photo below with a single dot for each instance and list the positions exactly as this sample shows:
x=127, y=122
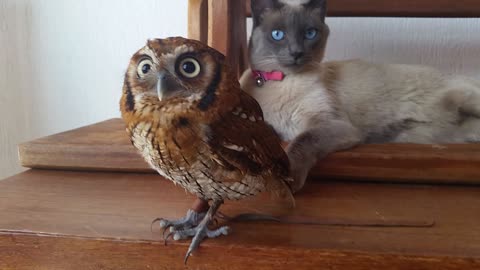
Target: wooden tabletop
x=82, y=220
x=106, y=147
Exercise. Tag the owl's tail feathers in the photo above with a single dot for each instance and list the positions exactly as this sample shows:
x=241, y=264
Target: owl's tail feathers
x=280, y=188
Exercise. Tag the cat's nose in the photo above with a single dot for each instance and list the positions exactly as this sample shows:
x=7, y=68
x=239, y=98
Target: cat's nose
x=297, y=55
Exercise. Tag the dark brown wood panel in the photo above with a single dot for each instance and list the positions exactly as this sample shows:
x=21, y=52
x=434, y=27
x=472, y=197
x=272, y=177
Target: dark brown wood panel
x=58, y=220
x=21, y=251
x=401, y=8
x=106, y=147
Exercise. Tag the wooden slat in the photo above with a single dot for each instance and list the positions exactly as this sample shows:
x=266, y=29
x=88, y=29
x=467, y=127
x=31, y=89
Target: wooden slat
x=198, y=20
x=227, y=31
x=103, y=146
x=400, y=8
x=73, y=220
x=450, y=163
x=106, y=147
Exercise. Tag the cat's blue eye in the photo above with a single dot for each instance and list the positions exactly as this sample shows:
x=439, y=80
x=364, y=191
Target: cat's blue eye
x=311, y=33
x=278, y=35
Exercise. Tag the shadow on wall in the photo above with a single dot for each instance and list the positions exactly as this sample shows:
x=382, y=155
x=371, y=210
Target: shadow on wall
x=447, y=44
x=15, y=83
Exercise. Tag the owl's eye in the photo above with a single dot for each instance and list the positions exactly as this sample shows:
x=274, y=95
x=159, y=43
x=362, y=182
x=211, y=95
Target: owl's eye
x=144, y=67
x=278, y=35
x=311, y=33
x=189, y=67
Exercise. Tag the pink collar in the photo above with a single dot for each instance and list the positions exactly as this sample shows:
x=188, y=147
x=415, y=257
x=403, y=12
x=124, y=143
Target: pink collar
x=263, y=76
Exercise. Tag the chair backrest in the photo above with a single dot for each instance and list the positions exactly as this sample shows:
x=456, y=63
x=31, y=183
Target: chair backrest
x=222, y=23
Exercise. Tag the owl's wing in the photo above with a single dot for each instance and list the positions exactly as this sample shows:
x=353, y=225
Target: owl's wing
x=241, y=140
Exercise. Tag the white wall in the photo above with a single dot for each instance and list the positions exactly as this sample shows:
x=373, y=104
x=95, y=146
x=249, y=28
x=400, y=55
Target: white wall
x=62, y=61
x=452, y=45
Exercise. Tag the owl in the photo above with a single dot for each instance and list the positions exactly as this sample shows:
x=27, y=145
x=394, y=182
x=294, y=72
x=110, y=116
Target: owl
x=187, y=116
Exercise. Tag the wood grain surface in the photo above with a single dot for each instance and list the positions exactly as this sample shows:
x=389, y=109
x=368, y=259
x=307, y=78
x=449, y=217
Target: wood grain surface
x=198, y=20
x=400, y=8
x=80, y=220
x=106, y=147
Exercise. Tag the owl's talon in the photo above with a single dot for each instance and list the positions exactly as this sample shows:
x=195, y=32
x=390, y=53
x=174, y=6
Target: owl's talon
x=163, y=235
x=165, y=238
x=153, y=222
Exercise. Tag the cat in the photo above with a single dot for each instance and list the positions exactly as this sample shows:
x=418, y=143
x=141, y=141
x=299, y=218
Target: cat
x=322, y=107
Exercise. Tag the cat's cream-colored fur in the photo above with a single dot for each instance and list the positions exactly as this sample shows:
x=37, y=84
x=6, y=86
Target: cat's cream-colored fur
x=373, y=98
x=330, y=106
x=356, y=102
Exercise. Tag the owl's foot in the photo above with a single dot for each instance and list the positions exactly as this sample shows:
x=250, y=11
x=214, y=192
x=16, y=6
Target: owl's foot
x=201, y=231
x=192, y=219
x=194, y=216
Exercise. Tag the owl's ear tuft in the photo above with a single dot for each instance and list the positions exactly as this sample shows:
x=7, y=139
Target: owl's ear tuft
x=151, y=41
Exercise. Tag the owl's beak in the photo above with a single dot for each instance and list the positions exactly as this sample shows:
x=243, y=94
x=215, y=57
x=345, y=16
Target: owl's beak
x=167, y=86
x=160, y=85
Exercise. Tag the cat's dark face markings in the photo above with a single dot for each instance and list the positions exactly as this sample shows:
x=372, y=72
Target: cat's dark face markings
x=287, y=37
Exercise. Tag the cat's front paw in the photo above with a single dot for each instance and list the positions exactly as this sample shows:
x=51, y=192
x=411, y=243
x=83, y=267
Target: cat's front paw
x=299, y=168
x=299, y=176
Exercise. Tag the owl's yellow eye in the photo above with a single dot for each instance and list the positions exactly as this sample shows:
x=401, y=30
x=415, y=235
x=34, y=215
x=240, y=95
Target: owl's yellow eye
x=189, y=67
x=144, y=67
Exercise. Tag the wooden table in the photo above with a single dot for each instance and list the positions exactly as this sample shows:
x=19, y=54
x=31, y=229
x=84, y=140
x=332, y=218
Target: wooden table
x=61, y=219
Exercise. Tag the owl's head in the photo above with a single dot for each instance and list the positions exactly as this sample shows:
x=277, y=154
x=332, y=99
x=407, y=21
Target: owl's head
x=173, y=68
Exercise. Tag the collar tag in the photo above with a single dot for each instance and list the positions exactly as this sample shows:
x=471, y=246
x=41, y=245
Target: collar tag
x=261, y=77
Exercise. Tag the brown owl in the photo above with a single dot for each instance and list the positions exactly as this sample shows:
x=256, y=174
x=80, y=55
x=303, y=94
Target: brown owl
x=188, y=117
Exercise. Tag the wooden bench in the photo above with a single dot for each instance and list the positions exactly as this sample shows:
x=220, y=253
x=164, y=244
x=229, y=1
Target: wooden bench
x=90, y=199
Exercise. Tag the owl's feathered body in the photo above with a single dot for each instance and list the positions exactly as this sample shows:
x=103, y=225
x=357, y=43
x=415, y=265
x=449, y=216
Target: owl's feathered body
x=203, y=133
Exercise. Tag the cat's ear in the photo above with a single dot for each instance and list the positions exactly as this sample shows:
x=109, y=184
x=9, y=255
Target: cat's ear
x=259, y=7
x=318, y=4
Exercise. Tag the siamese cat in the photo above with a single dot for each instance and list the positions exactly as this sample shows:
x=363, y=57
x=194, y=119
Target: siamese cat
x=325, y=107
